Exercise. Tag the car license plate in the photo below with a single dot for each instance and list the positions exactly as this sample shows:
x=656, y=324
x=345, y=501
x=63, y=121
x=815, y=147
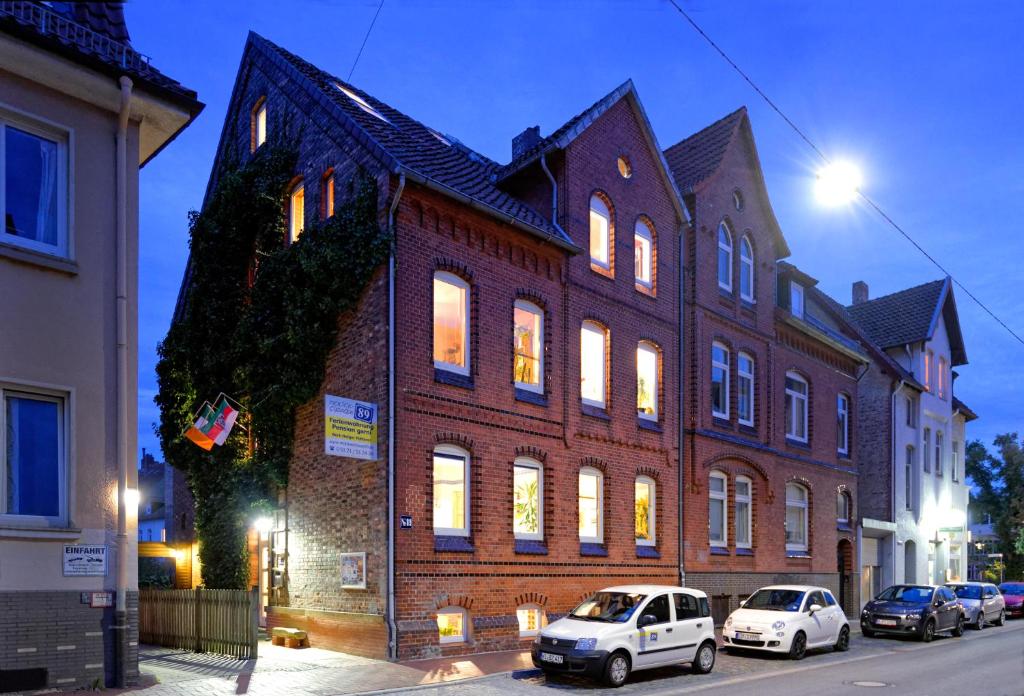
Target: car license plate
x=886, y=622
x=550, y=657
x=747, y=636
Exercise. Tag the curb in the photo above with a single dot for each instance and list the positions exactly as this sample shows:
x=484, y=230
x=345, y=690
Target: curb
x=525, y=673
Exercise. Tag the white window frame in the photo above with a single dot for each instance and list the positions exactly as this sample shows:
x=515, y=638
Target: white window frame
x=843, y=498
x=908, y=486
x=62, y=137
x=590, y=471
x=651, y=512
x=926, y=454
x=643, y=231
x=940, y=439
x=843, y=423
x=541, y=622
x=724, y=247
x=63, y=401
x=941, y=379
x=723, y=497
x=717, y=364
x=443, y=640
x=803, y=505
x=296, y=220
x=597, y=329
x=911, y=405
x=929, y=360
x=796, y=299
x=452, y=279
x=600, y=208
x=452, y=452
x=748, y=499
x=651, y=349
x=745, y=390
x=530, y=307
x=528, y=463
x=954, y=463
x=260, y=123
x=747, y=262
x=804, y=401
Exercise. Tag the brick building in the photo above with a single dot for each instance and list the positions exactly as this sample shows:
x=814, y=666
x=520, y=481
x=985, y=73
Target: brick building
x=769, y=389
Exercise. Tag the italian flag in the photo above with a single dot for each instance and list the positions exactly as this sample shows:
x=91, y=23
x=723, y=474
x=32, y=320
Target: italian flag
x=200, y=432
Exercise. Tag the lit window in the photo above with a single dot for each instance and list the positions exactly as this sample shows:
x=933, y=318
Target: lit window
x=296, y=212
x=643, y=505
x=842, y=508
x=954, y=465
x=528, y=337
x=592, y=364
x=843, y=424
x=796, y=407
x=34, y=180
x=908, y=481
x=796, y=517
x=942, y=378
x=719, y=381
x=796, y=299
x=746, y=270
x=451, y=497
x=643, y=243
x=328, y=195
x=724, y=257
x=33, y=475
x=647, y=381
x=624, y=167
x=451, y=625
x=745, y=380
x=591, y=505
x=926, y=450
x=259, y=124
x=938, y=452
x=527, y=494
x=451, y=323
x=600, y=233
x=531, y=620
x=718, y=532
x=361, y=103
x=929, y=358
x=744, y=512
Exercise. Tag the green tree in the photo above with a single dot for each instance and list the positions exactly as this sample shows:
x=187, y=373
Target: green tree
x=998, y=493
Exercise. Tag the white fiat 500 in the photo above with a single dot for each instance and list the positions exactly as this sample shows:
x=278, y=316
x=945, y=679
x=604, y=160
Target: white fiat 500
x=788, y=619
x=622, y=629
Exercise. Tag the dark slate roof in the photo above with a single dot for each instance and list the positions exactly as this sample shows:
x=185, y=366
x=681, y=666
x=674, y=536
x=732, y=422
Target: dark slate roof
x=422, y=150
x=963, y=408
x=106, y=18
x=697, y=157
x=903, y=317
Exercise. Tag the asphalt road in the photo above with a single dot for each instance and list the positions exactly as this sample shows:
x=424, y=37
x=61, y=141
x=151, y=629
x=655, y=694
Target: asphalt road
x=981, y=663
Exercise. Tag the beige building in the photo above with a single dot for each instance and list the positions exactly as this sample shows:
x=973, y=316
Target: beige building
x=80, y=112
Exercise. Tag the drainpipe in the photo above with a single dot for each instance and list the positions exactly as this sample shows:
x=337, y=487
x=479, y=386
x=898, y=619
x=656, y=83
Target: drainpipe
x=892, y=479
x=390, y=610
x=682, y=402
x=121, y=607
x=565, y=297
x=554, y=192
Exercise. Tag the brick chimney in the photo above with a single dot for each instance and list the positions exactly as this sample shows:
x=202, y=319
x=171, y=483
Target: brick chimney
x=525, y=140
x=860, y=292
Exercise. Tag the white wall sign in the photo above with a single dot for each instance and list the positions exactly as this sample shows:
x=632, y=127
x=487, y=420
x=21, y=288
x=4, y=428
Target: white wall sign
x=85, y=560
x=353, y=571
x=350, y=428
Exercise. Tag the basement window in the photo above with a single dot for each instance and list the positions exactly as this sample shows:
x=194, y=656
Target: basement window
x=451, y=625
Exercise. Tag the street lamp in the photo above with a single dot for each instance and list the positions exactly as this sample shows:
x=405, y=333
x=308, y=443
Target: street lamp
x=838, y=183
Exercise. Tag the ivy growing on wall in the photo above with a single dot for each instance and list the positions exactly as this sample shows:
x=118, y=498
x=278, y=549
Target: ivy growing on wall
x=258, y=321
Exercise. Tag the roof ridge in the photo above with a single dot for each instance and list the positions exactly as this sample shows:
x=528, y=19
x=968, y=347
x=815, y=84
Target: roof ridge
x=706, y=128
x=898, y=292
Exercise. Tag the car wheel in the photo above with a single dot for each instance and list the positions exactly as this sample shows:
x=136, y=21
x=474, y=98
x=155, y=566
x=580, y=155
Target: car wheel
x=616, y=670
x=867, y=632
x=979, y=623
x=1001, y=619
x=958, y=629
x=928, y=632
x=704, y=660
x=798, y=648
x=843, y=642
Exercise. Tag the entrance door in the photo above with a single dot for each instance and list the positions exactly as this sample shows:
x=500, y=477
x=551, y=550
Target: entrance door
x=844, y=565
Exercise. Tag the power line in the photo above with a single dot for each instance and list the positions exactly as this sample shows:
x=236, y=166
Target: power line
x=874, y=206
x=365, y=39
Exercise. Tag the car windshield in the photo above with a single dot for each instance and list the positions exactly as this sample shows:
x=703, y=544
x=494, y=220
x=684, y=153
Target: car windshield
x=610, y=607
x=775, y=600
x=966, y=591
x=907, y=593
x=1012, y=588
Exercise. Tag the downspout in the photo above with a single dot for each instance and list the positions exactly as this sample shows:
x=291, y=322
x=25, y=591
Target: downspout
x=121, y=607
x=682, y=402
x=565, y=298
x=892, y=479
x=392, y=623
x=554, y=192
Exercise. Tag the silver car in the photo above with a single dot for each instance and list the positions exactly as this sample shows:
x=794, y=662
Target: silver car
x=982, y=602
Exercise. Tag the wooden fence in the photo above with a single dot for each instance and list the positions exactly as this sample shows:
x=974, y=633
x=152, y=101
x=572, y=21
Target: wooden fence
x=225, y=622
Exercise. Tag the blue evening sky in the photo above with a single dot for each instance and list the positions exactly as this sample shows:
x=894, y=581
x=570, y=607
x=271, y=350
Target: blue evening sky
x=925, y=96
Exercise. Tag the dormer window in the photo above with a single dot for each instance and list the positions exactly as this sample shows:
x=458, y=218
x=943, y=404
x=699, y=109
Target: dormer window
x=361, y=103
x=796, y=299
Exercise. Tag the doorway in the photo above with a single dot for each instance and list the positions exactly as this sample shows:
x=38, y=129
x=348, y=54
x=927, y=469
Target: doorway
x=844, y=566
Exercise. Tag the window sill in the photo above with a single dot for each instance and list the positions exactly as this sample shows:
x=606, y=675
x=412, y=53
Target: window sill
x=38, y=258
x=719, y=551
x=592, y=549
x=726, y=294
x=748, y=429
x=644, y=290
x=602, y=271
x=797, y=443
x=744, y=552
x=720, y=422
x=647, y=552
x=452, y=378
x=594, y=412
x=531, y=546
x=531, y=397
x=790, y=553
x=844, y=528
x=645, y=424
x=41, y=533
x=749, y=305
x=453, y=544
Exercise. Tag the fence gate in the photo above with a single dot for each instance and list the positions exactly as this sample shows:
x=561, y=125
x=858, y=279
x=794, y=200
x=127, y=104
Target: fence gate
x=225, y=622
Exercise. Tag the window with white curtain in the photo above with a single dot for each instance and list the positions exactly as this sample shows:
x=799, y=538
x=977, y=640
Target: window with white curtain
x=718, y=522
x=593, y=364
x=643, y=511
x=746, y=270
x=796, y=517
x=719, y=381
x=451, y=323
x=724, y=257
x=34, y=186
x=600, y=233
x=745, y=384
x=647, y=381
x=451, y=491
x=591, y=502
x=643, y=248
x=796, y=407
x=744, y=511
x=527, y=499
x=527, y=346
x=843, y=424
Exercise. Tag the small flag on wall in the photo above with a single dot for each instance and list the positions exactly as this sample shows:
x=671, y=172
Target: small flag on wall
x=213, y=424
x=224, y=420
x=199, y=433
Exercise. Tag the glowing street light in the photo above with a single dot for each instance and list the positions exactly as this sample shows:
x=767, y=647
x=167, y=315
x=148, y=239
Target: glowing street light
x=838, y=183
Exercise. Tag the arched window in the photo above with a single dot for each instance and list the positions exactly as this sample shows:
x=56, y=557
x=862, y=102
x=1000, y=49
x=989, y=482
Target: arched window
x=724, y=257
x=451, y=491
x=718, y=522
x=643, y=253
x=796, y=407
x=746, y=270
x=527, y=499
x=591, y=504
x=451, y=323
x=744, y=512
x=600, y=233
x=643, y=507
x=842, y=508
x=296, y=212
x=527, y=346
x=531, y=619
x=719, y=381
x=451, y=625
x=258, y=123
x=593, y=364
x=796, y=517
x=745, y=382
x=843, y=424
x=647, y=380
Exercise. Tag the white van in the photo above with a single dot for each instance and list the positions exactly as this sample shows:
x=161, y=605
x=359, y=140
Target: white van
x=631, y=627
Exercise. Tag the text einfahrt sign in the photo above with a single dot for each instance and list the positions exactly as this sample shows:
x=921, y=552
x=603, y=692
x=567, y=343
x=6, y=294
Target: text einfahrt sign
x=350, y=428
x=85, y=560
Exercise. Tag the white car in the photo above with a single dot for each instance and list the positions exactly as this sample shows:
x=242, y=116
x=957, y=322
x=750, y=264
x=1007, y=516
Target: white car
x=788, y=619
x=627, y=628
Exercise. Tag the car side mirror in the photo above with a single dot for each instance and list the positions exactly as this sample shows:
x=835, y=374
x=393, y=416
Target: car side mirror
x=646, y=620
x=939, y=602
x=814, y=608
x=743, y=603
